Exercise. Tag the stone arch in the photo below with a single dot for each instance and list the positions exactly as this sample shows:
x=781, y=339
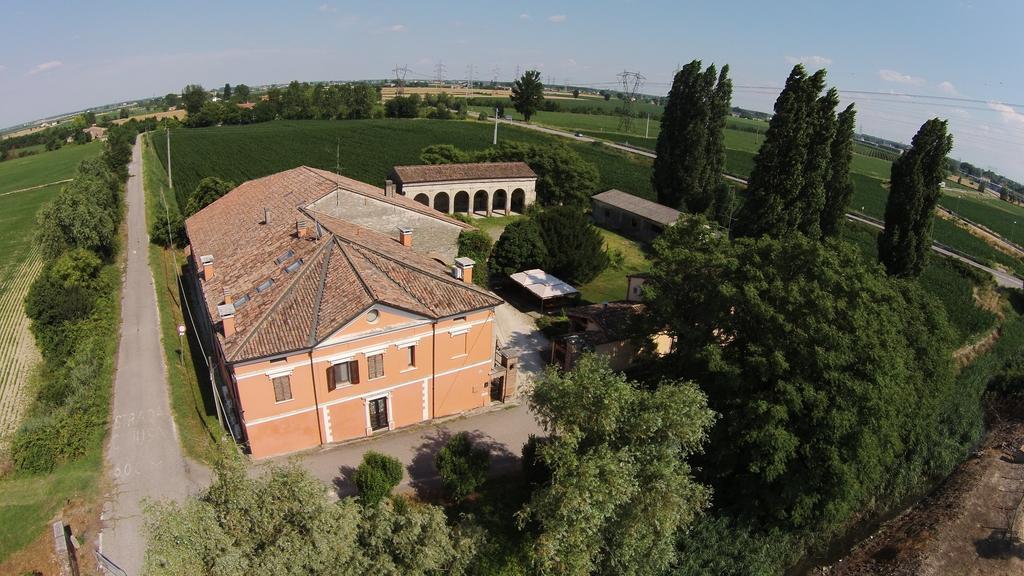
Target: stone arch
x=441, y=202
x=480, y=201
x=461, y=201
x=499, y=201
x=422, y=199
x=518, y=203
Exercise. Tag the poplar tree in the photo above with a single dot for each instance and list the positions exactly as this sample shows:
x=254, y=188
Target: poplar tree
x=691, y=148
x=839, y=188
x=786, y=190
x=915, y=176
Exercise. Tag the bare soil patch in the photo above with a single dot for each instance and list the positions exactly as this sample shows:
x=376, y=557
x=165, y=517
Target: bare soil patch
x=960, y=528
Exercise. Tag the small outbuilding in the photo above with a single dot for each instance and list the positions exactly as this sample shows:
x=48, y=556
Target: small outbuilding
x=630, y=215
x=545, y=287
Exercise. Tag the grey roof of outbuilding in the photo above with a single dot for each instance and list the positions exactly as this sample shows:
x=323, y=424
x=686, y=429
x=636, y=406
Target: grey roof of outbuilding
x=639, y=206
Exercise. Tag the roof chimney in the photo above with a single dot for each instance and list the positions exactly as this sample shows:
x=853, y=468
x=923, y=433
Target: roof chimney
x=227, y=297
x=463, y=269
x=207, y=266
x=405, y=236
x=389, y=188
x=266, y=215
x=227, y=317
x=302, y=229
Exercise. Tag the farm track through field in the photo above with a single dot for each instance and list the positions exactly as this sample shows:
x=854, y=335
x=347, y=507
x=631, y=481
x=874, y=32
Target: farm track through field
x=18, y=352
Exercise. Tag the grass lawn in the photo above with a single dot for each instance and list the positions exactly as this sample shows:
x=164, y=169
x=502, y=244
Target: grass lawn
x=610, y=285
x=191, y=397
x=28, y=503
x=46, y=167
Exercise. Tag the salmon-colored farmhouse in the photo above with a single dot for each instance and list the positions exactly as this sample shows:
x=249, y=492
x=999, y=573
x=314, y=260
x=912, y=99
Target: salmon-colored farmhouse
x=334, y=312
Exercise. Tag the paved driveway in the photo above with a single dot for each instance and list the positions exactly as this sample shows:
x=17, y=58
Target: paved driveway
x=143, y=456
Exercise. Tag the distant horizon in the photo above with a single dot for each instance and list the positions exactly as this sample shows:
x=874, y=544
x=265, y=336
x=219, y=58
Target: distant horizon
x=891, y=59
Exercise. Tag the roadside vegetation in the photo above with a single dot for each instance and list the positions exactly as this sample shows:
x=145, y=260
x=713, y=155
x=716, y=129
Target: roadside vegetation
x=55, y=455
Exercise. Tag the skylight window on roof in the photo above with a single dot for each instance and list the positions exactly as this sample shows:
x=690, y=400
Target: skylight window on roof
x=265, y=286
x=293, y=266
x=283, y=257
x=241, y=301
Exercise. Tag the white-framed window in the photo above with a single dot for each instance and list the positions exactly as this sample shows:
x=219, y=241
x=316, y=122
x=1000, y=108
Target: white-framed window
x=342, y=374
x=282, y=388
x=410, y=356
x=375, y=366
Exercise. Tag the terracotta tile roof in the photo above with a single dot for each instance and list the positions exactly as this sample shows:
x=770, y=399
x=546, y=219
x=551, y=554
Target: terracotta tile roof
x=639, y=206
x=337, y=274
x=454, y=172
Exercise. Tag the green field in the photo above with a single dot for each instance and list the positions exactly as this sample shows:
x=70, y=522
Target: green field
x=44, y=168
x=1001, y=217
x=369, y=148
x=610, y=285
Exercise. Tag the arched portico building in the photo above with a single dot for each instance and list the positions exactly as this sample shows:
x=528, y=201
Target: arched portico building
x=480, y=189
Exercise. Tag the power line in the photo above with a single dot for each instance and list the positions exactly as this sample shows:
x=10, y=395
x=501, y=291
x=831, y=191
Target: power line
x=631, y=83
x=439, y=71
x=400, y=79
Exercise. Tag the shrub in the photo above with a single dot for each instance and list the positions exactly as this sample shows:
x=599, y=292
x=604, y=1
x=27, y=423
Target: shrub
x=376, y=477
x=167, y=230
x=520, y=247
x=477, y=245
x=535, y=471
x=462, y=466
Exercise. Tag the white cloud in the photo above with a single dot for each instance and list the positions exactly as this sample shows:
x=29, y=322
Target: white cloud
x=571, y=62
x=947, y=87
x=1009, y=114
x=899, y=77
x=394, y=28
x=524, y=16
x=45, y=66
x=327, y=9
x=816, y=61
x=557, y=18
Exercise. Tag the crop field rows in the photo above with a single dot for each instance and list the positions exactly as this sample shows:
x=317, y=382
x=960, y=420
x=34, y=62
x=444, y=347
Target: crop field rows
x=18, y=353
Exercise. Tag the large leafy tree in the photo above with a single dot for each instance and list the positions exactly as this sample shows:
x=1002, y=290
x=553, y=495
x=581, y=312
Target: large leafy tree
x=520, y=247
x=916, y=175
x=579, y=255
x=193, y=97
x=282, y=523
x=830, y=378
x=786, y=191
x=527, y=94
x=691, y=150
x=839, y=188
x=208, y=190
x=620, y=490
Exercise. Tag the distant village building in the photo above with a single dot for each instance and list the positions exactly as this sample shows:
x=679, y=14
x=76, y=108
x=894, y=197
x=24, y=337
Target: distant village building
x=484, y=188
x=334, y=314
x=630, y=215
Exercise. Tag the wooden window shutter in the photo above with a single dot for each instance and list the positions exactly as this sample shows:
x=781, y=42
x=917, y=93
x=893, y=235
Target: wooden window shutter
x=331, y=384
x=353, y=371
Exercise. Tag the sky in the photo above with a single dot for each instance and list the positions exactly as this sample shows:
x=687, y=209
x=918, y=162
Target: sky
x=900, y=61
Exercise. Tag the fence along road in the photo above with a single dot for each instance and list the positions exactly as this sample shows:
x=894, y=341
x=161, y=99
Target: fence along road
x=143, y=456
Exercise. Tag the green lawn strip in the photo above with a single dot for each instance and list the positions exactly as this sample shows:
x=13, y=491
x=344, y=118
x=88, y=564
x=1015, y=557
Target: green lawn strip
x=29, y=502
x=46, y=167
x=191, y=398
x=610, y=285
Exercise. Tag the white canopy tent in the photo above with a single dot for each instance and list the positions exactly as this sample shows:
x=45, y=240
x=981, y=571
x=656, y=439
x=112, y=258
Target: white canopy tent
x=543, y=285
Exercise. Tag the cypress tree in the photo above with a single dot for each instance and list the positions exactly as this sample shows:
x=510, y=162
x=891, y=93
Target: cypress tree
x=839, y=188
x=691, y=148
x=915, y=176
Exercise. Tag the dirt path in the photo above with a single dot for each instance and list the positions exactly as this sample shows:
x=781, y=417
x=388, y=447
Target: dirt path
x=958, y=529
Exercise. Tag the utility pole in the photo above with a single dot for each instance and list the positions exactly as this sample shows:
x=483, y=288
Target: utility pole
x=494, y=77
x=516, y=77
x=469, y=79
x=495, y=141
x=170, y=181
x=647, y=131
x=439, y=70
